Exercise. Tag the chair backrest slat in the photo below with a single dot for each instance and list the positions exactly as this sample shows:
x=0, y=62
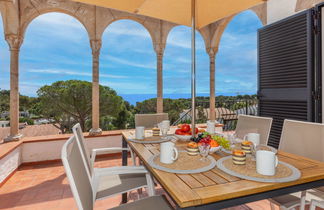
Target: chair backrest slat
x=253, y=124
x=77, y=131
x=150, y=120
x=303, y=138
x=77, y=175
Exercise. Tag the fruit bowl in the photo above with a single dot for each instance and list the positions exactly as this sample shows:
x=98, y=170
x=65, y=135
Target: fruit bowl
x=183, y=137
x=214, y=149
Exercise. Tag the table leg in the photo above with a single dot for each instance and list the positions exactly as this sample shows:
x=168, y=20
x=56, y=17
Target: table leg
x=124, y=163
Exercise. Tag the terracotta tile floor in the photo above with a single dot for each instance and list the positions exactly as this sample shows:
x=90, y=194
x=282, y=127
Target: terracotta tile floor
x=42, y=187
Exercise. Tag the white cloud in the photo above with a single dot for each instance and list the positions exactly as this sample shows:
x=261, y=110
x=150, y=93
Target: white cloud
x=181, y=37
x=128, y=28
x=73, y=73
x=58, y=20
x=58, y=25
x=231, y=41
x=183, y=60
x=136, y=87
x=131, y=63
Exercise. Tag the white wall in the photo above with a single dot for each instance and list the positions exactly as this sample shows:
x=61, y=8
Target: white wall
x=47, y=150
x=9, y=163
x=41, y=151
x=51, y=150
x=279, y=9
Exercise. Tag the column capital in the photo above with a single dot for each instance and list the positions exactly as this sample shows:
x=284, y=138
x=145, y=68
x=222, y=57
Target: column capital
x=159, y=49
x=14, y=41
x=96, y=46
x=211, y=51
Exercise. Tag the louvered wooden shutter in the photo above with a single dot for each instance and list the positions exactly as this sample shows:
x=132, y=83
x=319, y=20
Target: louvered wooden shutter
x=285, y=67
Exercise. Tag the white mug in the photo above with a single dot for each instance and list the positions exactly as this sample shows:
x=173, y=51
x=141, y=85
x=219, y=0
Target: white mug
x=266, y=162
x=253, y=137
x=211, y=127
x=168, y=152
x=139, y=132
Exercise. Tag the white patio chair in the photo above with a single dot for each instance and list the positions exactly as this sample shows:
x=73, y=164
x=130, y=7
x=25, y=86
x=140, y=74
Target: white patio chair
x=253, y=124
x=86, y=191
x=316, y=203
x=293, y=140
x=113, y=180
x=150, y=120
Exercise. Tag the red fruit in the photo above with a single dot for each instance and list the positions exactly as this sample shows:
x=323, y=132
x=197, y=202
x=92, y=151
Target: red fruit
x=205, y=140
x=196, y=130
x=179, y=132
x=185, y=128
x=202, y=142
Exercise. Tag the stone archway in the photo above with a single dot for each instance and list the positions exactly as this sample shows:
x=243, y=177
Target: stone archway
x=158, y=31
x=212, y=35
x=150, y=24
x=30, y=9
x=220, y=26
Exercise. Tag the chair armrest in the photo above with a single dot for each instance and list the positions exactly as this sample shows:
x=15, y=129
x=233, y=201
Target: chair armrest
x=121, y=170
x=110, y=149
x=106, y=150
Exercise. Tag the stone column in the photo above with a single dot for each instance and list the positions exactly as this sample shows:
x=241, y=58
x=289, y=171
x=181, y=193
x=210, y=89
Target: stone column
x=14, y=42
x=159, y=49
x=95, y=46
x=212, y=54
x=159, y=102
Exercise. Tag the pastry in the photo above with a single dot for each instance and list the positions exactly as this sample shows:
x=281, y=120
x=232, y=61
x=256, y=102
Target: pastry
x=192, y=148
x=239, y=157
x=156, y=131
x=193, y=145
x=246, y=146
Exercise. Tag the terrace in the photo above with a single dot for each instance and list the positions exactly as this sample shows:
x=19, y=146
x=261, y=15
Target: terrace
x=31, y=173
x=43, y=184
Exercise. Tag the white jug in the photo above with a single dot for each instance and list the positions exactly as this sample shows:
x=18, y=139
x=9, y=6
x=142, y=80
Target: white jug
x=168, y=152
x=266, y=162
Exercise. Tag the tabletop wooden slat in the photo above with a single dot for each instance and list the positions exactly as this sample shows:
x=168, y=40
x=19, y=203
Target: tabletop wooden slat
x=216, y=178
x=189, y=180
x=215, y=185
x=204, y=180
x=226, y=176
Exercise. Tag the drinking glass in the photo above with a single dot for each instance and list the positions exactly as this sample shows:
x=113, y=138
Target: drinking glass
x=164, y=132
x=254, y=149
x=232, y=137
x=204, y=151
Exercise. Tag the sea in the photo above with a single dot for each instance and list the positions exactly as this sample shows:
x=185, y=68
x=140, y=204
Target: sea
x=133, y=98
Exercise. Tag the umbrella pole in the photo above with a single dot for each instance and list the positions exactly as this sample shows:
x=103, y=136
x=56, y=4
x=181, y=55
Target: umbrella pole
x=193, y=66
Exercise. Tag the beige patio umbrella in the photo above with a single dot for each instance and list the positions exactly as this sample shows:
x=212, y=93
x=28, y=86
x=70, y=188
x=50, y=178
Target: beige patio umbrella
x=193, y=13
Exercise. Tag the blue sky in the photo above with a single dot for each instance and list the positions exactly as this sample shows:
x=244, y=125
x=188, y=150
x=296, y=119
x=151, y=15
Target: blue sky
x=56, y=47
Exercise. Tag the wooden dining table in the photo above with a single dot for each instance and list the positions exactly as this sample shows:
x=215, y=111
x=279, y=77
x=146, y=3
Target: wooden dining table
x=216, y=189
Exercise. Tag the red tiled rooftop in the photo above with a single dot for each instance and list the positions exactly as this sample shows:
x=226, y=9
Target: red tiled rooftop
x=45, y=186
x=32, y=130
